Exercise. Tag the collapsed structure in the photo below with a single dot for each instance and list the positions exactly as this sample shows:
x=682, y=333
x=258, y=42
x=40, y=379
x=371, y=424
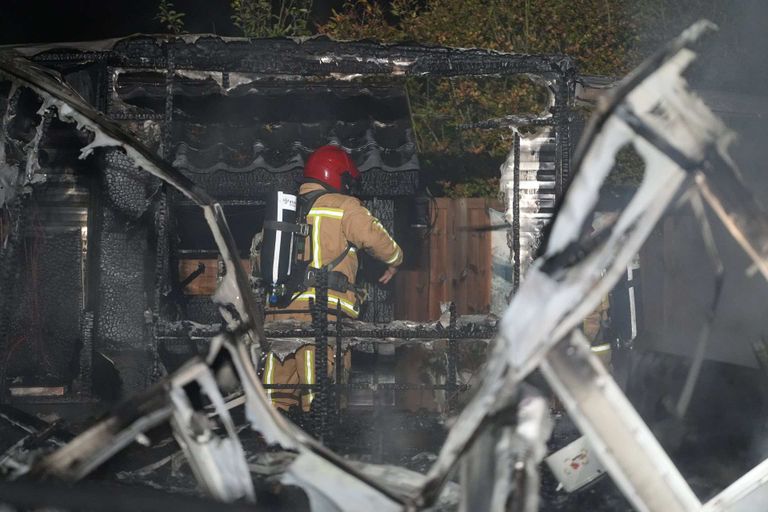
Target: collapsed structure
x=499, y=439
x=238, y=118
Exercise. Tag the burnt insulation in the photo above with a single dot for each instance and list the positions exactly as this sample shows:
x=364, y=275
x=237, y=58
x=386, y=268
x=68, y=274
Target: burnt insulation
x=125, y=268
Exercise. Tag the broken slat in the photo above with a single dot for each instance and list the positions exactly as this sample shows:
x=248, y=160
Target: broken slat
x=37, y=391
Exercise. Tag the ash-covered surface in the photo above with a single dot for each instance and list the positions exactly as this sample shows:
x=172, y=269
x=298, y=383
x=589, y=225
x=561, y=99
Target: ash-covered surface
x=384, y=443
x=600, y=496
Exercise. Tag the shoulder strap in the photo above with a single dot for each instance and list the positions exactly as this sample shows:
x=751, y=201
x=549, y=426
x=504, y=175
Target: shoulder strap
x=287, y=227
x=307, y=201
x=338, y=259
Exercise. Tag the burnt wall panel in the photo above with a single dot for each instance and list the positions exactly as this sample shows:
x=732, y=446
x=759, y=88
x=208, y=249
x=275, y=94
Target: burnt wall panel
x=394, y=183
x=126, y=271
x=243, y=185
x=44, y=318
x=127, y=187
x=122, y=295
x=252, y=185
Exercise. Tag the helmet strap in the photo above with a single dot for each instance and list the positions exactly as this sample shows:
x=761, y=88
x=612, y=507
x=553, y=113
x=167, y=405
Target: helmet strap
x=321, y=183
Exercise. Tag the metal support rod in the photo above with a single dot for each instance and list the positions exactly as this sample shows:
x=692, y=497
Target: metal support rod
x=339, y=357
x=381, y=386
x=162, y=279
x=417, y=333
x=167, y=129
x=516, y=263
x=84, y=381
x=161, y=209
x=563, y=146
x=376, y=401
x=320, y=325
x=452, y=357
x=310, y=389
x=704, y=333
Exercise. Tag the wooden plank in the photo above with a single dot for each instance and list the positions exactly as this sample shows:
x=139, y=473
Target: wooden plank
x=479, y=261
x=412, y=299
x=485, y=260
x=459, y=241
x=421, y=284
x=205, y=283
x=412, y=282
x=438, y=258
x=37, y=391
x=453, y=264
x=404, y=293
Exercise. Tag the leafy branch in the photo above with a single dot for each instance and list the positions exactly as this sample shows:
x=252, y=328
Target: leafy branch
x=259, y=18
x=171, y=19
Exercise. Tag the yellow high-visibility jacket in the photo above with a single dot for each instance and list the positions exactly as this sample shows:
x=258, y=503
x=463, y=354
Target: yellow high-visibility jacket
x=338, y=220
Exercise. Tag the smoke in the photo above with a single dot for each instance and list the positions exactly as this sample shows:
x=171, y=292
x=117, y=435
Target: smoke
x=724, y=431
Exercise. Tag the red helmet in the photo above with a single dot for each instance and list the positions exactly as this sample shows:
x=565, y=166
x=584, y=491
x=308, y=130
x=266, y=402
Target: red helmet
x=332, y=167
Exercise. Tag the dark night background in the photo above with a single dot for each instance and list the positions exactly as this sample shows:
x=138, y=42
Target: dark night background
x=41, y=21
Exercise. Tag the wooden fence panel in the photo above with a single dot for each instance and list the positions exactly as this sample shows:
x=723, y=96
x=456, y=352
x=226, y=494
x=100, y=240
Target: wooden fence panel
x=479, y=262
x=454, y=264
x=439, y=270
x=205, y=283
x=457, y=254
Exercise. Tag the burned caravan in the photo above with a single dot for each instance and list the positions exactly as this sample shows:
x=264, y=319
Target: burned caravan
x=239, y=123
x=499, y=438
x=140, y=238
x=134, y=257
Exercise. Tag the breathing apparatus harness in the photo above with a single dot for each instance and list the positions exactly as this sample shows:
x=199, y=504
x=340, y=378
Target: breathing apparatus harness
x=299, y=276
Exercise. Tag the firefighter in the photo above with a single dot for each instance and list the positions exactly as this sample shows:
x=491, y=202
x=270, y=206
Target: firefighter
x=340, y=226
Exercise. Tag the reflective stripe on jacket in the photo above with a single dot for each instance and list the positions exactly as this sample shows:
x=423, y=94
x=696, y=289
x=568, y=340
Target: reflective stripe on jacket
x=338, y=220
